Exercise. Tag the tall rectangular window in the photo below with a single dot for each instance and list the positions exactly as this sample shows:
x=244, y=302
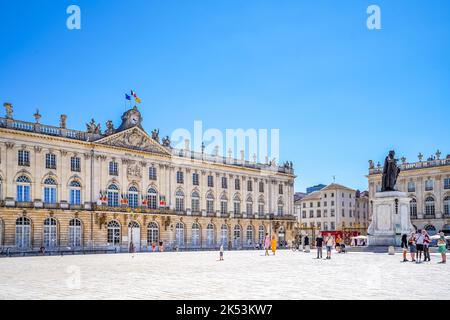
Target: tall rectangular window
x=75, y=164
x=429, y=185
x=447, y=183
x=180, y=177
x=210, y=181
x=280, y=189
x=195, y=179
x=152, y=174
x=50, y=161
x=249, y=186
x=50, y=195
x=75, y=197
x=24, y=158
x=23, y=193
x=237, y=184
x=411, y=187
x=113, y=168
x=224, y=183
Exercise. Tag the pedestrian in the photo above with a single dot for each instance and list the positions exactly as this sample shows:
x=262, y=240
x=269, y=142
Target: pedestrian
x=267, y=244
x=426, y=246
x=221, y=252
x=412, y=246
x=329, y=242
x=274, y=244
x=319, y=244
x=419, y=245
x=338, y=244
x=442, y=247
x=404, y=246
x=306, y=244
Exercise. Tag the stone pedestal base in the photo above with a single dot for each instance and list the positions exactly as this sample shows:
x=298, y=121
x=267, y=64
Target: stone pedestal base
x=390, y=219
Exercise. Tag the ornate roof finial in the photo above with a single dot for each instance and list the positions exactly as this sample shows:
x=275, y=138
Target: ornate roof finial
x=62, y=121
x=420, y=156
x=37, y=116
x=9, y=110
x=438, y=154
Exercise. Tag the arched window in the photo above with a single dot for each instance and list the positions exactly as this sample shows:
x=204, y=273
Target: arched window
x=75, y=193
x=210, y=235
x=152, y=197
x=152, y=233
x=75, y=233
x=223, y=205
x=195, y=199
x=195, y=234
x=447, y=205
x=429, y=206
x=50, y=190
x=23, y=231
x=179, y=201
x=249, y=206
x=249, y=235
x=114, y=233
x=50, y=233
x=280, y=207
x=413, y=207
x=113, y=196
x=179, y=234
x=236, y=204
x=209, y=203
x=224, y=235
x=133, y=196
x=261, y=234
x=237, y=236
x=23, y=189
x=261, y=206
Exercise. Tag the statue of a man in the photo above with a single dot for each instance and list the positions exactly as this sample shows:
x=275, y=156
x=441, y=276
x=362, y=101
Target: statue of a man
x=390, y=172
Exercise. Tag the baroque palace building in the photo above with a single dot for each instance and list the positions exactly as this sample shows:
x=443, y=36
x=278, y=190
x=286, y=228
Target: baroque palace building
x=124, y=189
x=427, y=183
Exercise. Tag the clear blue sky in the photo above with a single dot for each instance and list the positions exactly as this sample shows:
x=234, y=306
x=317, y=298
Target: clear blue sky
x=339, y=93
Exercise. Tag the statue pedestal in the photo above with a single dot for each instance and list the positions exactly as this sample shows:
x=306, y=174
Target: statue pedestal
x=390, y=219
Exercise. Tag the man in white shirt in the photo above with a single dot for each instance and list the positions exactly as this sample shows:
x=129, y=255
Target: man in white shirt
x=420, y=238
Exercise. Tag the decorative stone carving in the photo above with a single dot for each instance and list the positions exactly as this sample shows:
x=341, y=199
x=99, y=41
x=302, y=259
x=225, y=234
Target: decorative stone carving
x=37, y=116
x=9, y=110
x=9, y=145
x=109, y=127
x=134, y=139
x=62, y=121
x=134, y=171
x=94, y=128
x=166, y=141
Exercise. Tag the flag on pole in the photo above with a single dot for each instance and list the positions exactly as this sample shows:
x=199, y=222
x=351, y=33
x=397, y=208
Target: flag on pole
x=127, y=97
x=138, y=100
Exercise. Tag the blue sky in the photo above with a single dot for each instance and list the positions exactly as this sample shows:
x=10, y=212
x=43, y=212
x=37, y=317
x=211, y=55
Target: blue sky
x=339, y=93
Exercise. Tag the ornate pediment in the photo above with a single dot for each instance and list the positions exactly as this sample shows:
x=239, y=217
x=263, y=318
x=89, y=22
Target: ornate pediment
x=135, y=139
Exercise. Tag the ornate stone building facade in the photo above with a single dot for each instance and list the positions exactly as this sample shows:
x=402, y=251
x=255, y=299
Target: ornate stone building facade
x=427, y=182
x=333, y=208
x=122, y=188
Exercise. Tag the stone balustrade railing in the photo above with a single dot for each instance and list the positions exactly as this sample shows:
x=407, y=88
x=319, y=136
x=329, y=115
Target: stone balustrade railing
x=415, y=165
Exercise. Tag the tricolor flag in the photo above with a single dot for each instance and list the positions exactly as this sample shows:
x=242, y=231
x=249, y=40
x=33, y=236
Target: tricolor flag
x=135, y=96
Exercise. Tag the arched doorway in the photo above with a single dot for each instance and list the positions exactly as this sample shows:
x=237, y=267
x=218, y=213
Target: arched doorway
x=134, y=236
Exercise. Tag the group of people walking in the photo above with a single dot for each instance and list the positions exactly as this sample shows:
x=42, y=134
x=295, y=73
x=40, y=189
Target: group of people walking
x=418, y=244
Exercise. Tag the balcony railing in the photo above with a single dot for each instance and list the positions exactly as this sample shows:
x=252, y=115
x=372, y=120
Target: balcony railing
x=415, y=165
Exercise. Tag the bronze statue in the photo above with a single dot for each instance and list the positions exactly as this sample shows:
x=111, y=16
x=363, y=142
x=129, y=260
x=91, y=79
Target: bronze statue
x=390, y=173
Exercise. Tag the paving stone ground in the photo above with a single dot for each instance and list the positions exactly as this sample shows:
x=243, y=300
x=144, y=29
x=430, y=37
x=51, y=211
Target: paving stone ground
x=243, y=275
